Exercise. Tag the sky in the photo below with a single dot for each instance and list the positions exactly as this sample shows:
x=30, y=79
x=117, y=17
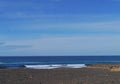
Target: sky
x=59, y=27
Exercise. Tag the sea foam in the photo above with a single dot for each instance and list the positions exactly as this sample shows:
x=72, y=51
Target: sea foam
x=53, y=66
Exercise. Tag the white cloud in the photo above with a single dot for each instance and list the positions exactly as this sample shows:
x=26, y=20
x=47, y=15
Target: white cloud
x=90, y=26
x=69, y=45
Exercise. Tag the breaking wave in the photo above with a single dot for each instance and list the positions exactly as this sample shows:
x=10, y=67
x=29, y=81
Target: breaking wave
x=53, y=66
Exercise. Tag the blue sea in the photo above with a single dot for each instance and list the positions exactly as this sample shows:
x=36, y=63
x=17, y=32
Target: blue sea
x=50, y=62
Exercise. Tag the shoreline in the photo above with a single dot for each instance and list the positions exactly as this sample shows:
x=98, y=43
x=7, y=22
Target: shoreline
x=64, y=66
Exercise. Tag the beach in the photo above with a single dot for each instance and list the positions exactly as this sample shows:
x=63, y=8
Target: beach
x=89, y=75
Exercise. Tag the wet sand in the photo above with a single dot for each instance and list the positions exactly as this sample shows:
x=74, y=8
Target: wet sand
x=59, y=76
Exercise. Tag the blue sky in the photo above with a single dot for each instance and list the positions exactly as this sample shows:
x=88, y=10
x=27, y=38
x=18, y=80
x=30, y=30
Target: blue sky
x=59, y=27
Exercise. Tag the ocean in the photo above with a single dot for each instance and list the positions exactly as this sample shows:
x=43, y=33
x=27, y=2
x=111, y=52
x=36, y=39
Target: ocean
x=51, y=62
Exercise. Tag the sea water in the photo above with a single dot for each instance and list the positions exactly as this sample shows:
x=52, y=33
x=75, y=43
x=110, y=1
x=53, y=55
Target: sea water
x=51, y=62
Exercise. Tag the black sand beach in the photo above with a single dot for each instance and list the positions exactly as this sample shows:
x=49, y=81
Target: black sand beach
x=59, y=76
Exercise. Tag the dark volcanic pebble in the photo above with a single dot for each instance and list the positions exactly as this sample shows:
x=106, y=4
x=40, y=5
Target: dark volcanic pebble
x=59, y=76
